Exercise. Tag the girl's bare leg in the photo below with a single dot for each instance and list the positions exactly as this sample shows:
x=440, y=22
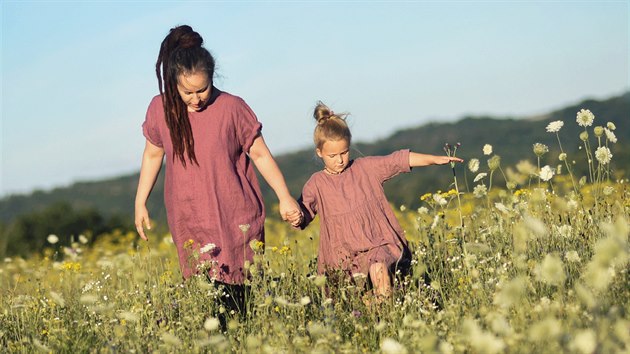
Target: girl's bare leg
x=379, y=275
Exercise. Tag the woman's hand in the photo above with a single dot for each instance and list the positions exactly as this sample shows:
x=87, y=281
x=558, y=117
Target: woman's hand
x=141, y=220
x=290, y=211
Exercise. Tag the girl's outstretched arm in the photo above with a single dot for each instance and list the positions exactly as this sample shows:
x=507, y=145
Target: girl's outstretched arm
x=418, y=160
x=268, y=168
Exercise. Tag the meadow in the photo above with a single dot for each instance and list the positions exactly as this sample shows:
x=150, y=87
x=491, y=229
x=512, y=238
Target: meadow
x=522, y=259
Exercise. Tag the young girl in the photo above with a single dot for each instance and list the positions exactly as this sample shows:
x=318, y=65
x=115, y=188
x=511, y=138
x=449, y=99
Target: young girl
x=359, y=232
x=212, y=141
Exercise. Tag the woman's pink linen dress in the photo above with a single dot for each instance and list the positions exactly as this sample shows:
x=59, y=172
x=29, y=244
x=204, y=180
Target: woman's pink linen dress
x=218, y=201
x=357, y=225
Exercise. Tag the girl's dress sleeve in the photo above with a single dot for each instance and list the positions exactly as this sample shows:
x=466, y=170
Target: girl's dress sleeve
x=386, y=167
x=308, y=203
x=150, y=127
x=247, y=125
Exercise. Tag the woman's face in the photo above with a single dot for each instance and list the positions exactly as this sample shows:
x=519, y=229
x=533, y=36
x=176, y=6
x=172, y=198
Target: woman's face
x=335, y=154
x=194, y=89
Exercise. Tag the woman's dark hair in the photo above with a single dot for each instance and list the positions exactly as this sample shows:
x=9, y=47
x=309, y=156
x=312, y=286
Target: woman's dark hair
x=181, y=52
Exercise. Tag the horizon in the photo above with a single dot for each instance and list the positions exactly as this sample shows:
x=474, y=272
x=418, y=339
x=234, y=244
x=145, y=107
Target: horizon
x=74, y=99
x=300, y=149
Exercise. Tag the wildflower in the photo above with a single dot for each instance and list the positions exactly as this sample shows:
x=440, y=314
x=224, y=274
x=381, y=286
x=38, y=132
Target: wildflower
x=565, y=231
x=599, y=131
x=548, y=328
x=305, y=300
x=480, y=176
x=585, y=342
x=572, y=256
x=525, y=167
x=88, y=299
x=52, y=239
x=551, y=271
x=540, y=149
x=482, y=342
x=207, y=248
x=473, y=165
x=511, y=293
x=441, y=201
x=603, y=155
x=57, y=299
x=480, y=190
x=128, y=316
x=583, y=136
x=189, y=244
x=555, y=126
x=546, y=173
x=585, y=118
x=494, y=162
x=610, y=135
x=487, y=149
x=171, y=339
x=562, y=156
x=501, y=207
x=611, y=126
x=403, y=208
x=244, y=228
x=391, y=346
x=320, y=280
x=211, y=324
x=83, y=239
x=608, y=190
x=423, y=210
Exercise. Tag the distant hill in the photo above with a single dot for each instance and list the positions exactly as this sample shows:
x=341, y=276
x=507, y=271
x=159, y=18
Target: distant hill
x=511, y=137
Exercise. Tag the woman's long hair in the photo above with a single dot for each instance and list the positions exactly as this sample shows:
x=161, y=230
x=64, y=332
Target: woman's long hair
x=181, y=52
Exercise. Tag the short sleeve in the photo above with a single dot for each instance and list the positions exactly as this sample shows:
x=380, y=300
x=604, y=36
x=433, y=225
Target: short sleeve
x=386, y=167
x=308, y=203
x=150, y=127
x=247, y=125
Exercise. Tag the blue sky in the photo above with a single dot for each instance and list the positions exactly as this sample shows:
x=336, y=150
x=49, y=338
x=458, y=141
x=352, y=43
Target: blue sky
x=77, y=76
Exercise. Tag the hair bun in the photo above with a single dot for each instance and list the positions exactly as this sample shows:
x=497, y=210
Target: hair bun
x=190, y=40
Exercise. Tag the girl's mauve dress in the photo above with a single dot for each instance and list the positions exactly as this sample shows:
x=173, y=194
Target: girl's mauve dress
x=357, y=224
x=219, y=201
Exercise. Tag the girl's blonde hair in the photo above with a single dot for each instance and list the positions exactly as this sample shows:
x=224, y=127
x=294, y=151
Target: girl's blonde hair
x=330, y=126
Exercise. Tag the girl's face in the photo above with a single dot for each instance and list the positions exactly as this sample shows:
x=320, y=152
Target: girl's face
x=194, y=89
x=335, y=154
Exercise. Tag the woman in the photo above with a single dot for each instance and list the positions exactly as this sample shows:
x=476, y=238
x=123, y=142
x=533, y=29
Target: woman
x=210, y=139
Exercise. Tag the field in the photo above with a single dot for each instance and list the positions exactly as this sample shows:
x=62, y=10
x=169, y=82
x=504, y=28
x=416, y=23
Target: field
x=530, y=259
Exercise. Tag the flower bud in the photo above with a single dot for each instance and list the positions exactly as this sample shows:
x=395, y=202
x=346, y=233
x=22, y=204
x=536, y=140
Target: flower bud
x=494, y=162
x=584, y=136
x=540, y=149
x=562, y=156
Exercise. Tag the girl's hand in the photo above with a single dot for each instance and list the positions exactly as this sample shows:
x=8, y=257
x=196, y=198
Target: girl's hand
x=443, y=160
x=294, y=218
x=141, y=220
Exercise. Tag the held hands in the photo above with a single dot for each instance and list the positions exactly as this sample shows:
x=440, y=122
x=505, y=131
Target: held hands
x=141, y=220
x=291, y=212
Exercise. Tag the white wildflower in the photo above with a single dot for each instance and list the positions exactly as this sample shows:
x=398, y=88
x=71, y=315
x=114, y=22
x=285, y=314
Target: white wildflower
x=585, y=118
x=611, y=126
x=603, y=155
x=487, y=149
x=555, y=126
x=480, y=176
x=525, y=167
x=562, y=156
x=128, y=316
x=480, y=190
x=57, y=299
x=211, y=324
x=391, y=346
x=83, y=239
x=305, y=300
x=423, y=210
x=171, y=339
x=546, y=173
x=610, y=135
x=565, y=231
x=441, y=201
x=52, y=239
x=608, y=190
x=502, y=208
x=551, y=271
x=473, y=165
x=244, y=228
x=572, y=256
x=585, y=342
x=207, y=248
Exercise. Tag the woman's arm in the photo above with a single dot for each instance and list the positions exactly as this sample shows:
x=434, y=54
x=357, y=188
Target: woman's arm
x=418, y=160
x=151, y=164
x=266, y=165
